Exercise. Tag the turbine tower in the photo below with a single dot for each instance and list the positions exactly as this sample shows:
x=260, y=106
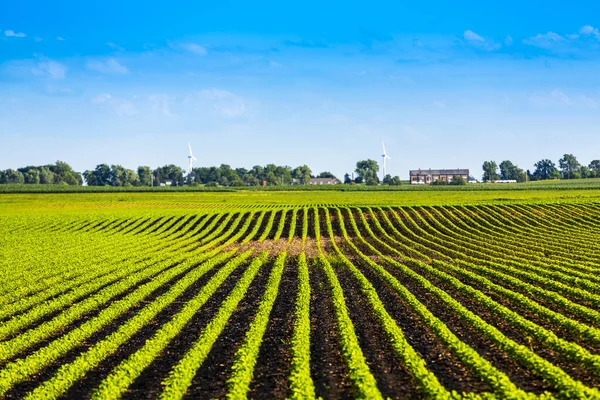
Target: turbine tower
x=385, y=157
x=191, y=159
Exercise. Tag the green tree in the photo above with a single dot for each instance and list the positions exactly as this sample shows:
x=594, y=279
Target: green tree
x=457, y=180
x=347, y=179
x=545, y=169
x=144, y=175
x=569, y=166
x=169, y=172
x=302, y=173
x=327, y=174
x=367, y=171
x=63, y=173
x=392, y=181
x=594, y=169
x=32, y=176
x=13, y=177
x=100, y=176
x=490, y=171
x=46, y=176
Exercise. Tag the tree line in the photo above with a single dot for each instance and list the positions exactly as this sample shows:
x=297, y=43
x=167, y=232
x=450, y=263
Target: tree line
x=568, y=168
x=367, y=173
x=59, y=173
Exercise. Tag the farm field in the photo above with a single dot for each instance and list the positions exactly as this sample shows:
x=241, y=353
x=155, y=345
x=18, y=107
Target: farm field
x=419, y=294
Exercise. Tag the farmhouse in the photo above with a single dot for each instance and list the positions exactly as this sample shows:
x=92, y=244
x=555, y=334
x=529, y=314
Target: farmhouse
x=428, y=176
x=323, y=181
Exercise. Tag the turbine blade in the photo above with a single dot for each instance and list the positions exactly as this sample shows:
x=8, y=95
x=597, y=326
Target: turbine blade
x=194, y=158
x=190, y=146
x=383, y=146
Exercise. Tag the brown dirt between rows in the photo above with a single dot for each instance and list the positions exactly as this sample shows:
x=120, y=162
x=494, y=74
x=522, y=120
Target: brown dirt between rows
x=211, y=379
x=393, y=378
x=572, y=368
x=327, y=367
x=521, y=376
x=273, y=365
x=24, y=387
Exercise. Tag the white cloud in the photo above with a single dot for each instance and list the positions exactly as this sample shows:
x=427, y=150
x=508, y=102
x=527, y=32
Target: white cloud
x=224, y=102
x=160, y=102
x=114, y=46
x=109, y=66
x=125, y=109
x=37, y=39
x=194, y=48
x=440, y=104
x=472, y=36
x=60, y=39
x=558, y=98
x=508, y=40
x=588, y=30
x=478, y=41
x=50, y=69
x=275, y=64
x=572, y=36
x=14, y=34
x=544, y=41
x=101, y=98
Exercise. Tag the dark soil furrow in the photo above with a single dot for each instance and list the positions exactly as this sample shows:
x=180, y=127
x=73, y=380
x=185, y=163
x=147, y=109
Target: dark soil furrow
x=273, y=365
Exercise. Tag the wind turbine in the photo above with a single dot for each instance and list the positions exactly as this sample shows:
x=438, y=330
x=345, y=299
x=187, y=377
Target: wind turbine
x=191, y=159
x=385, y=157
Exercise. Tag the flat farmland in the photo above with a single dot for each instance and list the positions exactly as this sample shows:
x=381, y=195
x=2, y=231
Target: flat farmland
x=415, y=294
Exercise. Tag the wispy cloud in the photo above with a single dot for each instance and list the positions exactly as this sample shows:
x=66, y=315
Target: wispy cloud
x=194, y=48
x=478, y=41
x=275, y=64
x=544, y=40
x=309, y=44
x=224, y=102
x=472, y=36
x=114, y=46
x=10, y=33
x=588, y=30
x=160, y=102
x=101, y=98
x=50, y=69
x=119, y=106
x=440, y=104
x=508, y=40
x=108, y=66
x=558, y=98
x=60, y=39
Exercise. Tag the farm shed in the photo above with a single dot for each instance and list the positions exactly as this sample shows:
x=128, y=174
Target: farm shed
x=428, y=176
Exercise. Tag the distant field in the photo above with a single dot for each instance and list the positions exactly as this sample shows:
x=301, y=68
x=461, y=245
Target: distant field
x=301, y=294
x=575, y=184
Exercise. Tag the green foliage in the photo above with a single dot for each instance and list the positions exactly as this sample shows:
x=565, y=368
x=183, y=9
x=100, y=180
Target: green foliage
x=569, y=167
x=545, y=169
x=509, y=171
x=458, y=180
x=392, y=181
x=490, y=171
x=367, y=172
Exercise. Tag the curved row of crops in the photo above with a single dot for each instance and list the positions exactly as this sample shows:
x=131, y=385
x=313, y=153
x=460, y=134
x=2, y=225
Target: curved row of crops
x=302, y=302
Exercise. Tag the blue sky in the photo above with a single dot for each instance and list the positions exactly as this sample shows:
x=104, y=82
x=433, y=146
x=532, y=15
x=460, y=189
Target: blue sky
x=445, y=85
